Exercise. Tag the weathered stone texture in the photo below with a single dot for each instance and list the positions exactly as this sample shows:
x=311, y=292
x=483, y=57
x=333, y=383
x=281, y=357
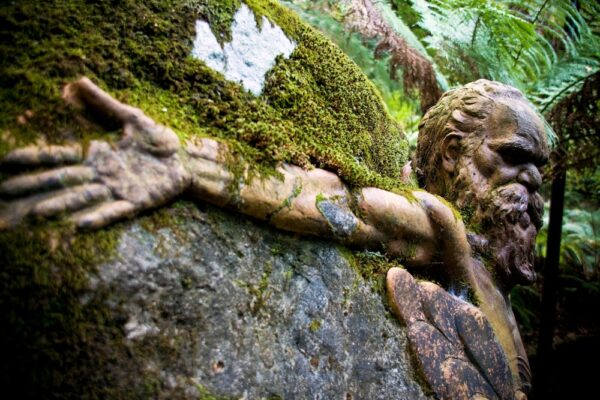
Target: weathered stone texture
x=248, y=311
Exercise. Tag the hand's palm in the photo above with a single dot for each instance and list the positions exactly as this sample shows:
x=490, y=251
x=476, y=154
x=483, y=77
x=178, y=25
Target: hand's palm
x=453, y=341
x=142, y=171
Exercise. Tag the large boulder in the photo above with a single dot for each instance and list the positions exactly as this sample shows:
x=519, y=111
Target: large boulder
x=195, y=302
x=190, y=301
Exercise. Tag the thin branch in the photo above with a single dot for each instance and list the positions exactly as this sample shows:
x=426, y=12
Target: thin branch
x=533, y=23
x=475, y=30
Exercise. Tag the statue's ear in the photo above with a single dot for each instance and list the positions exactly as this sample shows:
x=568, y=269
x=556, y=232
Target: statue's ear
x=451, y=151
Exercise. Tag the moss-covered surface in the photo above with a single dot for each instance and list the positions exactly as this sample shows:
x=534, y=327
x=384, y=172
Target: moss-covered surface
x=373, y=267
x=317, y=108
x=44, y=273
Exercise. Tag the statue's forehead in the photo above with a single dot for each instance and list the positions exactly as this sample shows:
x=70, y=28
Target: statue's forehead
x=514, y=121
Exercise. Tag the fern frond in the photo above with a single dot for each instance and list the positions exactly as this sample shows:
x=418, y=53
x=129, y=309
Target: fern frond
x=576, y=119
x=375, y=20
x=566, y=76
x=515, y=41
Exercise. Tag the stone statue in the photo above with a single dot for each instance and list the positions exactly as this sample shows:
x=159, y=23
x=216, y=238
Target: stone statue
x=480, y=147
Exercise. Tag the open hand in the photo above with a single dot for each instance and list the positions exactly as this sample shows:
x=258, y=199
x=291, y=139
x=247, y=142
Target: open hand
x=143, y=170
x=453, y=342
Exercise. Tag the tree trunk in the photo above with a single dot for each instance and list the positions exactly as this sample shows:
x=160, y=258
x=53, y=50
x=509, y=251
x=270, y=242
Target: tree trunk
x=549, y=298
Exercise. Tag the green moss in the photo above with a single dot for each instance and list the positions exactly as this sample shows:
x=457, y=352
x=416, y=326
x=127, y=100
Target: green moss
x=277, y=249
x=260, y=292
x=166, y=109
x=317, y=108
x=371, y=266
x=374, y=267
x=44, y=274
x=411, y=251
x=315, y=325
x=457, y=215
x=219, y=15
x=288, y=274
x=288, y=201
x=205, y=394
x=320, y=198
x=174, y=218
x=295, y=193
x=467, y=213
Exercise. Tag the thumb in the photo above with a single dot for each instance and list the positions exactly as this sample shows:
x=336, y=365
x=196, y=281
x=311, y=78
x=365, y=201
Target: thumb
x=403, y=294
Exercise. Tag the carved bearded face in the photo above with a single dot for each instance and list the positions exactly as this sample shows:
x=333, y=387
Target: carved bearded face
x=496, y=177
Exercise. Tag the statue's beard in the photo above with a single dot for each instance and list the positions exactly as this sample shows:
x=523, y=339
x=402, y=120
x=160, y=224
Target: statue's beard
x=506, y=220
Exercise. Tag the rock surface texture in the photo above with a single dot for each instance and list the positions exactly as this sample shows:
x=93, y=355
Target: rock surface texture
x=261, y=313
x=205, y=303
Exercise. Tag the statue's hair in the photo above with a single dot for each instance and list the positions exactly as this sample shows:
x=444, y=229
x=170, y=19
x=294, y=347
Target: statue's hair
x=464, y=111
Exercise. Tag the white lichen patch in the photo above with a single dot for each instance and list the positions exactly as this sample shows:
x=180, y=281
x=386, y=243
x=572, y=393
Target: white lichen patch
x=249, y=55
x=207, y=49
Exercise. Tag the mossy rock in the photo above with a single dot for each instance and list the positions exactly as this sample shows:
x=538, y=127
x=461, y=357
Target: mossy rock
x=192, y=302
x=316, y=109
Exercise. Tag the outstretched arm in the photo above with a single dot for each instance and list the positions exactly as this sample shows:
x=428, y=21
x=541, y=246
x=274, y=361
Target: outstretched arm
x=148, y=167
x=317, y=202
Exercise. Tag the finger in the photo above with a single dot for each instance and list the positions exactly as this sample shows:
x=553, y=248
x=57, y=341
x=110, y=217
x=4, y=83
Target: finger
x=157, y=139
x=462, y=380
x=53, y=179
x=11, y=213
x=404, y=296
x=440, y=308
x=43, y=155
x=484, y=350
x=103, y=214
x=84, y=93
x=432, y=350
x=72, y=199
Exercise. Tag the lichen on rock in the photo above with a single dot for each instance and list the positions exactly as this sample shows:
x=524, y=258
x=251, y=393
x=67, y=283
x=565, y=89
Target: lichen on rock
x=249, y=55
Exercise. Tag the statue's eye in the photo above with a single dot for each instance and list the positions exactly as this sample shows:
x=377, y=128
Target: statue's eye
x=514, y=155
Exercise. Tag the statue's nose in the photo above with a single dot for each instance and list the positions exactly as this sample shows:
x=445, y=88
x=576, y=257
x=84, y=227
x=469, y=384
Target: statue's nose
x=530, y=177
